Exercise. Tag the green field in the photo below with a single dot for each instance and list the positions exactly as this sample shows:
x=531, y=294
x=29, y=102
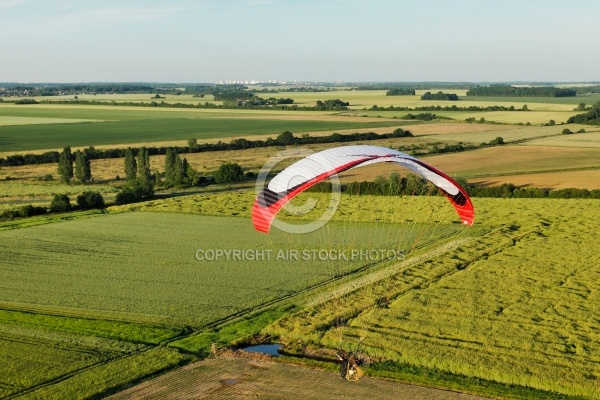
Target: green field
x=55, y=136
x=126, y=266
x=513, y=306
x=35, y=127
x=501, y=301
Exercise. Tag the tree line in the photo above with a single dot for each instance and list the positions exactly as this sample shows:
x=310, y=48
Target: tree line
x=512, y=91
x=439, y=96
x=252, y=102
x=399, y=91
x=194, y=147
x=60, y=203
x=415, y=185
x=453, y=107
x=591, y=117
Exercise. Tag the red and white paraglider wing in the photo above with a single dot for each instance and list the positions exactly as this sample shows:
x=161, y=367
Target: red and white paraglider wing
x=320, y=166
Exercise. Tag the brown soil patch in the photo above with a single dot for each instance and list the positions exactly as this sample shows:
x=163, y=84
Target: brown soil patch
x=228, y=377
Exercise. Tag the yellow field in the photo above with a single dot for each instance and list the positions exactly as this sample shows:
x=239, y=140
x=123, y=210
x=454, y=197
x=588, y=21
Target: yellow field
x=585, y=179
x=517, y=159
x=11, y=121
x=589, y=139
x=358, y=99
x=512, y=304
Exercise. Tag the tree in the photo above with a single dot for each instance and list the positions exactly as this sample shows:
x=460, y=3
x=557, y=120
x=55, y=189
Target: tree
x=189, y=174
x=60, y=203
x=229, y=173
x=130, y=165
x=79, y=166
x=143, y=165
x=170, y=161
x=178, y=171
x=89, y=200
x=87, y=166
x=65, y=165
x=192, y=143
x=286, y=138
x=83, y=171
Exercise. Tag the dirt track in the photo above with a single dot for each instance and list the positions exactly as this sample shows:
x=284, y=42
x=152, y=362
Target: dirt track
x=247, y=378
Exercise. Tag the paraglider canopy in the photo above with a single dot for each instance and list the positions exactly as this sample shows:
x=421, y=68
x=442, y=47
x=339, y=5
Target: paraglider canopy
x=319, y=166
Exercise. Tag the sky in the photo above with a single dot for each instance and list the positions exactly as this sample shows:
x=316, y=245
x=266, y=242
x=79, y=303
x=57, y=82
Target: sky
x=186, y=41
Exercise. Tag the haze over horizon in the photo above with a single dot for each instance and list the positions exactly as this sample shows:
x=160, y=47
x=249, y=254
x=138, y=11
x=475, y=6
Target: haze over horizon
x=313, y=40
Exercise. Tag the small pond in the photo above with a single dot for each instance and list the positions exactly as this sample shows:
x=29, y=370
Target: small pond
x=270, y=349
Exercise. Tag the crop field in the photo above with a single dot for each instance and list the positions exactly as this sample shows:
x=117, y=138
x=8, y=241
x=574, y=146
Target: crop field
x=93, y=301
x=507, y=160
x=40, y=349
x=478, y=133
x=480, y=302
x=11, y=121
x=582, y=179
x=125, y=266
x=590, y=139
x=56, y=136
x=526, y=165
x=517, y=305
x=365, y=99
x=130, y=97
x=501, y=117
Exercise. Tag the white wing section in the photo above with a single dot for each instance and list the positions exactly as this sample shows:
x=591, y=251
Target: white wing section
x=347, y=157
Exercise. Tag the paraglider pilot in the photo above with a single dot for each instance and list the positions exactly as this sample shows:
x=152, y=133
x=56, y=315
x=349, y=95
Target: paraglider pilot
x=349, y=368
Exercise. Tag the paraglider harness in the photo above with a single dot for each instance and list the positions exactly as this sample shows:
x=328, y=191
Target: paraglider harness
x=349, y=365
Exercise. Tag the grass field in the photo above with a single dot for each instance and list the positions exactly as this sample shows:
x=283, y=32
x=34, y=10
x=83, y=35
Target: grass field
x=41, y=349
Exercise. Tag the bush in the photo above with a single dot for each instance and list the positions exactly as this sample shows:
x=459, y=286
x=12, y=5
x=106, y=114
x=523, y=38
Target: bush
x=566, y=131
x=46, y=178
x=89, y=200
x=399, y=132
x=25, y=211
x=229, y=173
x=29, y=211
x=60, y=203
x=135, y=190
